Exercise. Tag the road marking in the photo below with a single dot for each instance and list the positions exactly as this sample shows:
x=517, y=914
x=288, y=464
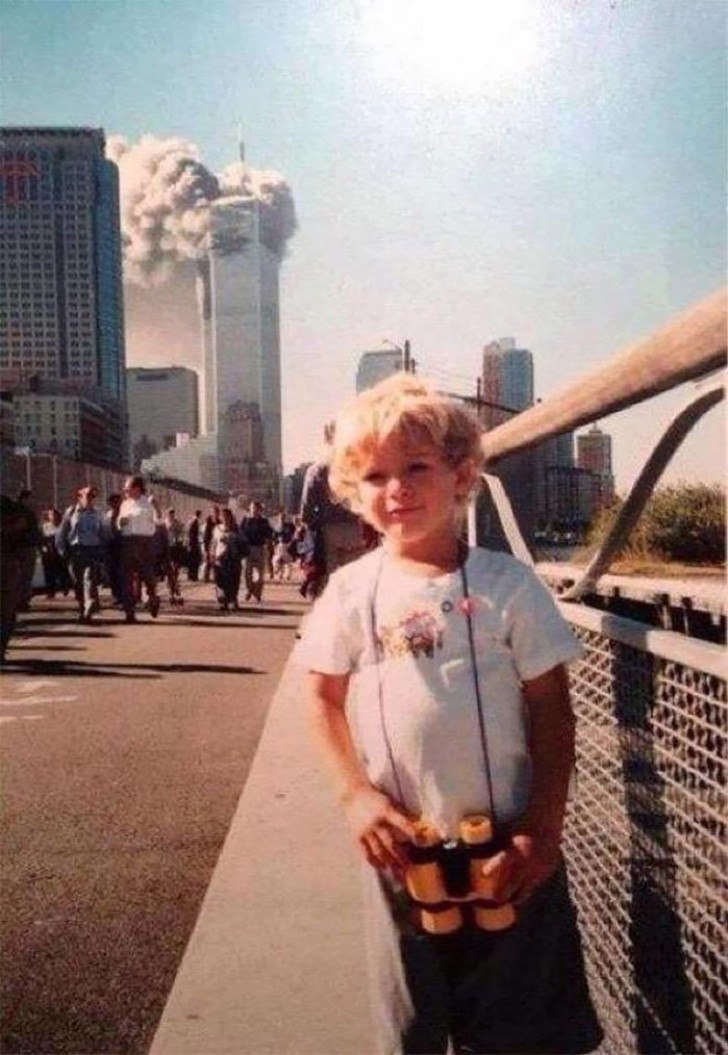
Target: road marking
x=25, y=689
x=37, y=699
x=21, y=718
x=33, y=686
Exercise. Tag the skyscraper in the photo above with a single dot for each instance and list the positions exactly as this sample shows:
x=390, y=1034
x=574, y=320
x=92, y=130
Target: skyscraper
x=507, y=380
x=375, y=366
x=239, y=449
x=594, y=452
x=242, y=350
x=61, y=308
x=237, y=290
x=162, y=403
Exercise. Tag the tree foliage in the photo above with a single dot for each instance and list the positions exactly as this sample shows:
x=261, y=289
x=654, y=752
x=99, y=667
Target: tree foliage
x=681, y=522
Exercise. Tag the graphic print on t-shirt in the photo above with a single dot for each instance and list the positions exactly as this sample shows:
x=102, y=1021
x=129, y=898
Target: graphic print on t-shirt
x=419, y=632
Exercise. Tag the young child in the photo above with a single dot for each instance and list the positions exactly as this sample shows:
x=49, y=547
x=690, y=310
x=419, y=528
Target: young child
x=439, y=691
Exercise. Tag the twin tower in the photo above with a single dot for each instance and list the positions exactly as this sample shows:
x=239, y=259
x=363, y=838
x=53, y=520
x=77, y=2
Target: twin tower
x=238, y=298
x=238, y=451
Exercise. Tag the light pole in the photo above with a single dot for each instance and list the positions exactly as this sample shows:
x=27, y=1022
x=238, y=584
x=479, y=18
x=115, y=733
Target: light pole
x=408, y=363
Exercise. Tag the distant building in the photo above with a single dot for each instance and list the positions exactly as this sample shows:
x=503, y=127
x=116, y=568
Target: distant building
x=238, y=297
x=194, y=461
x=239, y=449
x=375, y=366
x=71, y=425
x=7, y=418
x=242, y=454
x=162, y=402
x=594, y=452
x=507, y=381
x=568, y=499
x=557, y=494
x=559, y=450
x=293, y=488
x=506, y=388
x=61, y=308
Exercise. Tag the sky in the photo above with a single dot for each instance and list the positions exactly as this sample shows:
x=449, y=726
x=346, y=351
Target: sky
x=551, y=171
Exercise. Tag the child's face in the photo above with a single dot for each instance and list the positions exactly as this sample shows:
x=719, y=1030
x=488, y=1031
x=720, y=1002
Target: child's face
x=409, y=493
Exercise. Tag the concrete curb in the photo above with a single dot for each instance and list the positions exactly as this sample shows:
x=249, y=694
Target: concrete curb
x=275, y=964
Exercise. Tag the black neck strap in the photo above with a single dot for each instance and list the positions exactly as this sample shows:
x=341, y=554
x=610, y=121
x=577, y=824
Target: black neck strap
x=467, y=608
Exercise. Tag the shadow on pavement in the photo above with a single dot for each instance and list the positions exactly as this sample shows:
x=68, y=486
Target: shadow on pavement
x=47, y=648
x=237, y=621
x=27, y=633
x=119, y=670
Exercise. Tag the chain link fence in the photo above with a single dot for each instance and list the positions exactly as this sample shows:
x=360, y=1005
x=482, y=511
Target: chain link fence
x=646, y=837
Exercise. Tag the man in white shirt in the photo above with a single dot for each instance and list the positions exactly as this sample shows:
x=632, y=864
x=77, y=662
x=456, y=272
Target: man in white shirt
x=139, y=514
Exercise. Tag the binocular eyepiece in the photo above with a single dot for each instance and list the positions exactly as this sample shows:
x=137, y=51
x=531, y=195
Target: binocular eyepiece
x=445, y=880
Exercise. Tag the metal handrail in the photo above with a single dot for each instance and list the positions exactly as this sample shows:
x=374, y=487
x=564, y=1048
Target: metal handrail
x=643, y=486
x=688, y=347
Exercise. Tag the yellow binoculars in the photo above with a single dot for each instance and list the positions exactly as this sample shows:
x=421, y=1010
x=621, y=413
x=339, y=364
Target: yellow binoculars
x=445, y=881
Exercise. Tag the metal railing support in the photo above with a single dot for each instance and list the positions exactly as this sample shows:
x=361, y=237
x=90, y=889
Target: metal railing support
x=643, y=486
x=686, y=348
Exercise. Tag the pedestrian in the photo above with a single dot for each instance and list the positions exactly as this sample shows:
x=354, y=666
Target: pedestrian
x=304, y=547
x=80, y=537
x=55, y=569
x=255, y=532
x=176, y=555
x=227, y=556
x=29, y=546
x=194, y=547
x=139, y=514
x=461, y=708
x=112, y=548
x=337, y=530
x=18, y=534
x=161, y=549
x=283, y=554
x=211, y=521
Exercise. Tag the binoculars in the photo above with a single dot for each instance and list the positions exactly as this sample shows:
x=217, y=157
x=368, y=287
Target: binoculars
x=445, y=881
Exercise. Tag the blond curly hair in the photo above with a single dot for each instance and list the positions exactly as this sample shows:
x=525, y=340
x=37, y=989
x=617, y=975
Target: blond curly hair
x=412, y=410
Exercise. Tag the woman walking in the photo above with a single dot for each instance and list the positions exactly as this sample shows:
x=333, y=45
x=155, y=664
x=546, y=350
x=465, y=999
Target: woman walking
x=226, y=552
x=176, y=555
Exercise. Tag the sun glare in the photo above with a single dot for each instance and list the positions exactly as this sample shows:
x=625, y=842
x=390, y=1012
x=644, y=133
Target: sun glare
x=462, y=44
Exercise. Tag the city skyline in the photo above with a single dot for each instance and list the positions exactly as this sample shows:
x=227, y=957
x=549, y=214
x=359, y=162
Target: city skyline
x=569, y=190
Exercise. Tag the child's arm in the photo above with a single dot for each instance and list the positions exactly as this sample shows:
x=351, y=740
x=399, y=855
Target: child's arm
x=534, y=852
x=378, y=827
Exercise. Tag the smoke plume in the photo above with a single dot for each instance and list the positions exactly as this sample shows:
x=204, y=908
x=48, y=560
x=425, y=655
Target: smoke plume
x=278, y=212
x=166, y=193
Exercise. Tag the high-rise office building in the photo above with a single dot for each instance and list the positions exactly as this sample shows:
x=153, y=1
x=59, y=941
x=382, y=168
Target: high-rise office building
x=594, y=452
x=240, y=446
x=375, y=366
x=61, y=308
x=240, y=321
x=162, y=404
x=507, y=380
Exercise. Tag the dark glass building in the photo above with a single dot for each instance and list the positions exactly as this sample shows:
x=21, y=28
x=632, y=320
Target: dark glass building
x=61, y=301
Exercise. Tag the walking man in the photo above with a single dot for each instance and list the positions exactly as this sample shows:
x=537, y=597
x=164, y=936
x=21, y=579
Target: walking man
x=81, y=538
x=255, y=532
x=138, y=517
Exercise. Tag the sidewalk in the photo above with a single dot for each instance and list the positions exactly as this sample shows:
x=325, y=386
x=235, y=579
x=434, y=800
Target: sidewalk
x=275, y=963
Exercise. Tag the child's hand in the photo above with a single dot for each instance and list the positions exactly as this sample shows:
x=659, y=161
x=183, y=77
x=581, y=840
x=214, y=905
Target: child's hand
x=525, y=864
x=379, y=828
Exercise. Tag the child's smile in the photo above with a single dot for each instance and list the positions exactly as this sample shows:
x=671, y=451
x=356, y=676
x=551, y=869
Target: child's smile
x=411, y=494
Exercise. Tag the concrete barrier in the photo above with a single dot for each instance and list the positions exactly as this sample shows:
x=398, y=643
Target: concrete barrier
x=275, y=964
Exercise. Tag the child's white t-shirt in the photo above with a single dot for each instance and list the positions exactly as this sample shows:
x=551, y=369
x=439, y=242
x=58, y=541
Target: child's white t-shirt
x=412, y=703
